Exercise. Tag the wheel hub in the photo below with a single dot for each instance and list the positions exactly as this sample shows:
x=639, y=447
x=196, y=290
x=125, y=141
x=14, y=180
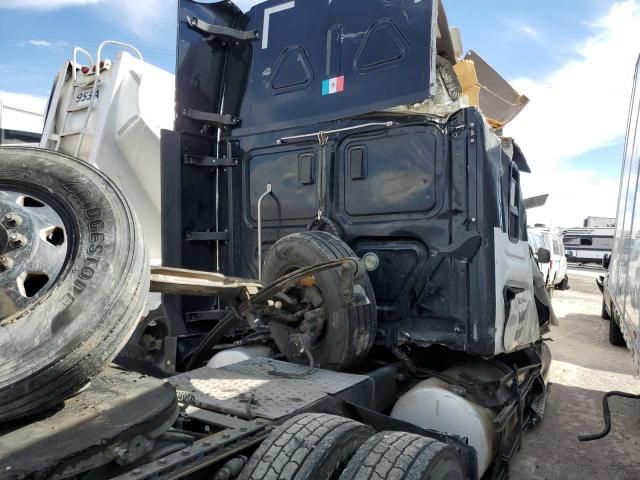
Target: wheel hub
x=33, y=250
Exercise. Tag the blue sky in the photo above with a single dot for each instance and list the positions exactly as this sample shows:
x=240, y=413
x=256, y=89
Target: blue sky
x=541, y=46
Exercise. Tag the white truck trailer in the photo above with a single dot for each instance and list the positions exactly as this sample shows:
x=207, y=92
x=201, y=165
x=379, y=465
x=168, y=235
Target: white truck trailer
x=621, y=286
x=110, y=114
x=21, y=120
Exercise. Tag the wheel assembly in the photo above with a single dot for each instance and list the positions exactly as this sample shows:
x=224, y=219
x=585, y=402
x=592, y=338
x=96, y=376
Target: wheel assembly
x=616, y=337
x=312, y=446
x=33, y=248
x=331, y=333
x=74, y=277
x=404, y=456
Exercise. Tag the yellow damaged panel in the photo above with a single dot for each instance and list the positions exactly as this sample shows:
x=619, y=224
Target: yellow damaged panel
x=466, y=72
x=487, y=90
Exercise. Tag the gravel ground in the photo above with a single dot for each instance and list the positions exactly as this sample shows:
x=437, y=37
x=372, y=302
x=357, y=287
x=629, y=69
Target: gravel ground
x=584, y=366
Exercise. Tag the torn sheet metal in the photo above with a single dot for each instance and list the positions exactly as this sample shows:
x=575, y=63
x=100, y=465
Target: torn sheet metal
x=514, y=152
x=536, y=202
x=522, y=326
x=487, y=90
x=447, y=94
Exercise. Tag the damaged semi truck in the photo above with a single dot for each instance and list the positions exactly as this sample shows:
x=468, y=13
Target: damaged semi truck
x=375, y=310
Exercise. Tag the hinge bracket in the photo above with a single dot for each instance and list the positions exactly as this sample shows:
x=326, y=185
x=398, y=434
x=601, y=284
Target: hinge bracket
x=207, y=236
x=224, y=120
x=223, y=33
x=207, y=161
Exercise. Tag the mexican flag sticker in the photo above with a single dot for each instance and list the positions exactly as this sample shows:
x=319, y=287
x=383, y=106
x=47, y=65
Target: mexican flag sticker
x=333, y=85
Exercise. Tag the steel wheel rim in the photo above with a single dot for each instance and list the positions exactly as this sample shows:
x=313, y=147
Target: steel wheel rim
x=33, y=249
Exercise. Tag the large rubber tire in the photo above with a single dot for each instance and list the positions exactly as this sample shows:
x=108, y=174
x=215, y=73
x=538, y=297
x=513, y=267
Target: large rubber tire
x=615, y=334
x=404, y=456
x=69, y=334
x=564, y=284
x=311, y=446
x=350, y=332
x=604, y=314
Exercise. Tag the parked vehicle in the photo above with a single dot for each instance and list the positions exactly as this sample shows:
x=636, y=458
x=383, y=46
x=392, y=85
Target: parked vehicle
x=599, y=222
x=345, y=266
x=554, y=272
x=588, y=245
x=20, y=122
x=536, y=242
x=620, y=286
x=110, y=114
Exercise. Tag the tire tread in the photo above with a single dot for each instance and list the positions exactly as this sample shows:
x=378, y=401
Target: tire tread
x=294, y=449
x=393, y=456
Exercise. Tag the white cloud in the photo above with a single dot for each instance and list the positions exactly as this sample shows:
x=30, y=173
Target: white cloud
x=146, y=18
x=31, y=103
x=525, y=29
x=40, y=43
x=44, y=4
x=579, y=108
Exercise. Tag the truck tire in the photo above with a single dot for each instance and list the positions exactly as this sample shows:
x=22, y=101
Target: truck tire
x=311, y=446
x=61, y=329
x=404, y=456
x=615, y=333
x=604, y=314
x=349, y=333
x=564, y=284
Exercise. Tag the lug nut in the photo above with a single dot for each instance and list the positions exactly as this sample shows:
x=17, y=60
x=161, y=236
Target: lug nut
x=12, y=220
x=17, y=240
x=5, y=263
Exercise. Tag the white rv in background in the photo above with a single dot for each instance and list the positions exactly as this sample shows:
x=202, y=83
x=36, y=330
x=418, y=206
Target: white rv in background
x=588, y=245
x=604, y=222
x=110, y=114
x=21, y=120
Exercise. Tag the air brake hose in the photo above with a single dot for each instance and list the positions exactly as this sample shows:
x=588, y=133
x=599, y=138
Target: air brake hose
x=606, y=413
x=211, y=339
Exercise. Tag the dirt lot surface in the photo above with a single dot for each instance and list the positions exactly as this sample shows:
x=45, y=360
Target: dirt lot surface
x=584, y=366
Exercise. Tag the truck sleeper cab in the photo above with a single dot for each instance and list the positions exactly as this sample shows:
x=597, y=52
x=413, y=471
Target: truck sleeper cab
x=398, y=188
x=290, y=127
x=315, y=149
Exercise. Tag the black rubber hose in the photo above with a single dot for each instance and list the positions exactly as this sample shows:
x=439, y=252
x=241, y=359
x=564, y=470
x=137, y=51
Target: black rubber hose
x=606, y=413
x=211, y=339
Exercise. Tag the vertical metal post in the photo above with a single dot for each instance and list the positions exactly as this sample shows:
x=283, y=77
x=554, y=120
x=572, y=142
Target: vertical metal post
x=262, y=197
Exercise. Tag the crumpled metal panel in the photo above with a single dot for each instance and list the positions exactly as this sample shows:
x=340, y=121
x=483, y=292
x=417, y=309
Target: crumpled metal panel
x=487, y=90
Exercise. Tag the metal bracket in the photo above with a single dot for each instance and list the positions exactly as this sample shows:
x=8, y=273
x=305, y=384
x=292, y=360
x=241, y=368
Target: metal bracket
x=224, y=120
x=266, y=193
x=202, y=453
x=176, y=281
x=207, y=236
x=207, y=315
x=207, y=161
x=223, y=33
